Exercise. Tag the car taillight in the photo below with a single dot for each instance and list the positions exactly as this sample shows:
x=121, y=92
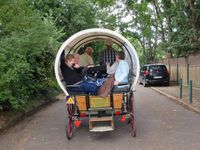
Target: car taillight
x=147, y=73
x=167, y=72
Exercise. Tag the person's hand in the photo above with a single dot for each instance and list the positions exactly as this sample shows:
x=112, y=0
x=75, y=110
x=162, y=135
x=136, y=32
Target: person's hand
x=76, y=66
x=116, y=82
x=107, y=64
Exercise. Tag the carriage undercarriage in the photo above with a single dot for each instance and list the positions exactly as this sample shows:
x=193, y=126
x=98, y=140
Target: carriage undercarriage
x=100, y=112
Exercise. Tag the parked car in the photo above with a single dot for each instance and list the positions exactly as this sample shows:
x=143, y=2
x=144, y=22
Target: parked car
x=154, y=74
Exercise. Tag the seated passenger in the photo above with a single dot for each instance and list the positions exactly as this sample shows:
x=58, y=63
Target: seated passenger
x=73, y=75
x=86, y=58
x=120, y=75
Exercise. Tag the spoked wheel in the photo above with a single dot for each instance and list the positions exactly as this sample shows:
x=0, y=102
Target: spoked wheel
x=132, y=115
x=69, y=123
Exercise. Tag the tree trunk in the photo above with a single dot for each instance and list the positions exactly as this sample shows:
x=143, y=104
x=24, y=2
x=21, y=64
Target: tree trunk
x=155, y=4
x=190, y=5
x=167, y=4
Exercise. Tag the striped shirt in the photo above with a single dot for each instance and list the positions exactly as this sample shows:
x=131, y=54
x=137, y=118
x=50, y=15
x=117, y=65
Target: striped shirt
x=108, y=55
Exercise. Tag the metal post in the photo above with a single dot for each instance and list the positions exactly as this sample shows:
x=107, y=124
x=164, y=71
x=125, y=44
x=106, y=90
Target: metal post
x=181, y=88
x=190, y=91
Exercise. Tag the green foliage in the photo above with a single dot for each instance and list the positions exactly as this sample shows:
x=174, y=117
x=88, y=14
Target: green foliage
x=71, y=15
x=27, y=44
x=184, y=38
x=108, y=13
x=104, y=3
x=165, y=27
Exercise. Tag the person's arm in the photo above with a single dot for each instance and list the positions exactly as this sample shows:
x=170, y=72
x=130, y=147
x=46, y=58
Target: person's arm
x=111, y=69
x=70, y=75
x=79, y=69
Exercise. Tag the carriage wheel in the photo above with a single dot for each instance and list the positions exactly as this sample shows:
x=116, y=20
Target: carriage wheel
x=132, y=115
x=69, y=123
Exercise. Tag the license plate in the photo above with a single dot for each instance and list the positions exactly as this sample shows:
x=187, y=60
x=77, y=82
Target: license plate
x=157, y=77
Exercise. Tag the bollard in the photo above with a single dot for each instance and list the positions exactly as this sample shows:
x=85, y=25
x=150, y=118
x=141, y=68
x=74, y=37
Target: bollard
x=181, y=88
x=190, y=91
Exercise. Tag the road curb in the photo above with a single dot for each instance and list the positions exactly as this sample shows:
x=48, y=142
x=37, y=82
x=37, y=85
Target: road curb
x=177, y=100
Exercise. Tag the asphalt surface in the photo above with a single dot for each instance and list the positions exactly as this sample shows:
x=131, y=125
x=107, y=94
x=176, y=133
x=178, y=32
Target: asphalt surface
x=161, y=125
x=173, y=92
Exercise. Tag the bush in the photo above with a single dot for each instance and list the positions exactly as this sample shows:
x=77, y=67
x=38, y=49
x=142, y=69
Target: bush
x=27, y=44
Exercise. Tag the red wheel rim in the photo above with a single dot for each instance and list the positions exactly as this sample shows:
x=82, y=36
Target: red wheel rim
x=132, y=118
x=69, y=125
x=69, y=128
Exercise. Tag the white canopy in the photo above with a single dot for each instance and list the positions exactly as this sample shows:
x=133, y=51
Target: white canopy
x=87, y=36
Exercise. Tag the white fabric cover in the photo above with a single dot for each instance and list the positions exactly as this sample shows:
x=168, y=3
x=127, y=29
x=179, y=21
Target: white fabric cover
x=86, y=36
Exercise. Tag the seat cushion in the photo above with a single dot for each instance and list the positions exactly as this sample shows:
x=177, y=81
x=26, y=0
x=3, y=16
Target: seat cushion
x=121, y=88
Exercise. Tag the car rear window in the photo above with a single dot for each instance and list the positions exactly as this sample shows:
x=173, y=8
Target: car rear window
x=157, y=68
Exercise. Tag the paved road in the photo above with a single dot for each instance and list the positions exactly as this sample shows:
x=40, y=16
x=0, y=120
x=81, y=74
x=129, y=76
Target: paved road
x=161, y=125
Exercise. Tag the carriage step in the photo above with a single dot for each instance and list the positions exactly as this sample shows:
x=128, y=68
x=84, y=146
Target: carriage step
x=101, y=124
x=96, y=119
x=100, y=108
x=102, y=129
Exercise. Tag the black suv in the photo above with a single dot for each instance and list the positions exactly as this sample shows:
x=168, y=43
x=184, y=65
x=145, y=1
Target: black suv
x=154, y=74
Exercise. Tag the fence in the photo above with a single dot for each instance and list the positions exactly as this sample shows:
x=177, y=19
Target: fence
x=184, y=68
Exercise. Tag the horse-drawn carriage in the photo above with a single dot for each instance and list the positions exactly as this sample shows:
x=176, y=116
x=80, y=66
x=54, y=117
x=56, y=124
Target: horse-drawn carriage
x=100, y=111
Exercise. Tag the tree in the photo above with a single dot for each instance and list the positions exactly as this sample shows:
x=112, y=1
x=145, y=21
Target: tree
x=27, y=43
x=70, y=15
x=174, y=26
